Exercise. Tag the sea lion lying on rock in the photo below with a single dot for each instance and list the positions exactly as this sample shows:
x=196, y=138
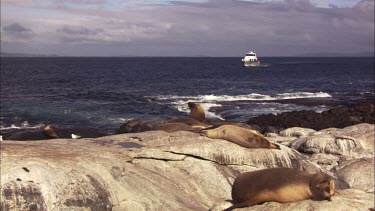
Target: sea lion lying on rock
x=178, y=126
x=241, y=136
x=195, y=122
x=282, y=185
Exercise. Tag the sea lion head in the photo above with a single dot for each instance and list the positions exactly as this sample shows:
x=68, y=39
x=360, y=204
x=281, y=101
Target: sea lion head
x=322, y=186
x=191, y=105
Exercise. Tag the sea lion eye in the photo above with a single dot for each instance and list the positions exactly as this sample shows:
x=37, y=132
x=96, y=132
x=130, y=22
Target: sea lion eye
x=327, y=189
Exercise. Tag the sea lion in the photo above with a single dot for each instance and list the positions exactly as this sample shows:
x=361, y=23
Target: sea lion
x=48, y=131
x=196, y=112
x=188, y=121
x=282, y=185
x=241, y=136
x=178, y=126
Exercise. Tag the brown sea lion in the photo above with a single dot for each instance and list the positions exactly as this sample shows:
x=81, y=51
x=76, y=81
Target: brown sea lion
x=196, y=112
x=280, y=185
x=241, y=136
x=188, y=121
x=178, y=126
x=48, y=131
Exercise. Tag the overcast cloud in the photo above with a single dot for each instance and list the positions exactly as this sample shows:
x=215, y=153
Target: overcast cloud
x=183, y=28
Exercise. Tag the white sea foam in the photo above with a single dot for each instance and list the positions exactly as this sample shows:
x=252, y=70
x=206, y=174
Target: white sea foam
x=23, y=125
x=210, y=101
x=248, y=97
x=119, y=120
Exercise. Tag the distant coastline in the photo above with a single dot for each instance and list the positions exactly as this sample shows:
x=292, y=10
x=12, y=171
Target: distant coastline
x=363, y=54
x=25, y=55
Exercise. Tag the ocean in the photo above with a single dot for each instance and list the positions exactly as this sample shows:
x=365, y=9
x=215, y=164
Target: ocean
x=106, y=92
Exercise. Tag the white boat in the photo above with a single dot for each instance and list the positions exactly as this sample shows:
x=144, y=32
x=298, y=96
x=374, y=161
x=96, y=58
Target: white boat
x=251, y=60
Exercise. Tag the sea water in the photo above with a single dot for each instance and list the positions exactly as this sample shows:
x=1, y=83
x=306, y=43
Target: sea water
x=106, y=92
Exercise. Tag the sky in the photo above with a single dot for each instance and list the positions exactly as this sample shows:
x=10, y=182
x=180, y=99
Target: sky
x=186, y=27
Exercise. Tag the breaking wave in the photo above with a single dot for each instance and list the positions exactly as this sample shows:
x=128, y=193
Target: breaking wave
x=23, y=125
x=215, y=101
x=248, y=97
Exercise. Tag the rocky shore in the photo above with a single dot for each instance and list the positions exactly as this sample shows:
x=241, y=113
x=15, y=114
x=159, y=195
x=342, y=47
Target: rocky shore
x=338, y=117
x=156, y=170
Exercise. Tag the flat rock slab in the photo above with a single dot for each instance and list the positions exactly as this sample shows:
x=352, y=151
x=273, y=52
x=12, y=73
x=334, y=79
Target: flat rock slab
x=357, y=173
x=138, y=171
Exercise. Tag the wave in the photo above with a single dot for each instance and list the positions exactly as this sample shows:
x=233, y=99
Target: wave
x=23, y=125
x=248, y=97
x=211, y=101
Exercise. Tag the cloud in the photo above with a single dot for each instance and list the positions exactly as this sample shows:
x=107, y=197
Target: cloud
x=214, y=27
x=17, y=32
x=81, y=1
x=78, y=30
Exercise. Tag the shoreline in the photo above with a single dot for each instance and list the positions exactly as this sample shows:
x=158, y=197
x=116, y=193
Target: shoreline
x=155, y=170
x=342, y=114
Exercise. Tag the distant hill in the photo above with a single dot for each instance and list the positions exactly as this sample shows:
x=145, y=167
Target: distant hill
x=2, y=54
x=331, y=54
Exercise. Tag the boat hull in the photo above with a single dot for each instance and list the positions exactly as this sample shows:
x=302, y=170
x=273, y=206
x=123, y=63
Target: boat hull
x=251, y=63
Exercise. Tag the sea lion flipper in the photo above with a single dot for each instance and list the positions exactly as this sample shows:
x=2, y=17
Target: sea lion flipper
x=275, y=146
x=239, y=205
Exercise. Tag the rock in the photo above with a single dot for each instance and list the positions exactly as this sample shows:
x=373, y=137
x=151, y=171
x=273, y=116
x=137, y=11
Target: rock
x=170, y=171
x=220, y=206
x=336, y=117
x=349, y=199
x=357, y=173
x=363, y=133
x=271, y=129
x=151, y=170
x=137, y=125
x=329, y=144
x=296, y=132
x=325, y=159
x=273, y=137
x=28, y=135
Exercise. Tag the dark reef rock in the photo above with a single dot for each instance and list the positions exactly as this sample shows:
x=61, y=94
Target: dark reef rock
x=336, y=117
x=66, y=132
x=138, y=125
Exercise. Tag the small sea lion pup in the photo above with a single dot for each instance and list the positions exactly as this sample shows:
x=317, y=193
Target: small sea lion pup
x=48, y=131
x=196, y=112
x=280, y=185
x=241, y=136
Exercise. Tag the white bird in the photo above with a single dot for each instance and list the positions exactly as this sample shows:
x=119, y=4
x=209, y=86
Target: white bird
x=75, y=136
x=1, y=138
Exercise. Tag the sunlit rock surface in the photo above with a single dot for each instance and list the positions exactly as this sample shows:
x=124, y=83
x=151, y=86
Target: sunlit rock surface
x=329, y=144
x=156, y=170
x=363, y=133
x=356, y=173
